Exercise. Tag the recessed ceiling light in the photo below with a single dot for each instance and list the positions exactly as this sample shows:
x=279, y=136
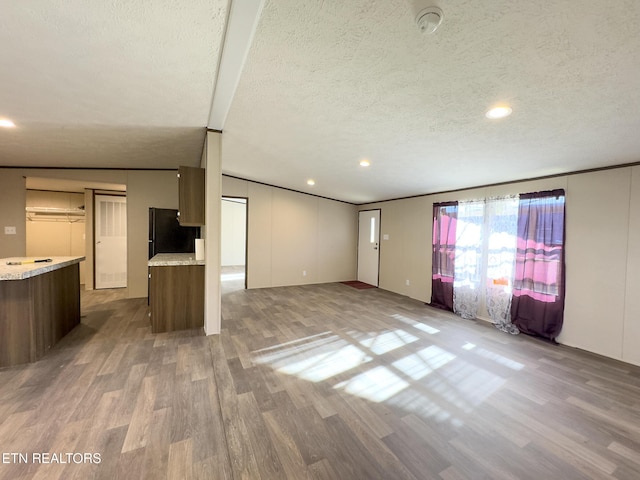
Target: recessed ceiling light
x=499, y=112
x=365, y=163
x=311, y=182
x=6, y=123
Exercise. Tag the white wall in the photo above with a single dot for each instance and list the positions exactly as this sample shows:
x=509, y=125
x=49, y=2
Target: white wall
x=631, y=325
x=12, y=214
x=597, y=236
x=213, y=198
x=292, y=233
x=233, y=232
x=337, y=231
x=602, y=254
x=145, y=189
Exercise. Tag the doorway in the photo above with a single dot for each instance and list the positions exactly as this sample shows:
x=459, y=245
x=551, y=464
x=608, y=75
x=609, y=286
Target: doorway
x=110, y=241
x=369, y=246
x=55, y=225
x=233, y=244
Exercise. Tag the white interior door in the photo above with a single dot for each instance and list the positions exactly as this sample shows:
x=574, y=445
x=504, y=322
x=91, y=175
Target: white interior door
x=110, y=241
x=369, y=246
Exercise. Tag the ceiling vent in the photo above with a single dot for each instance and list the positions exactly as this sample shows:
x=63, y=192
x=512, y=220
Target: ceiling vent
x=429, y=19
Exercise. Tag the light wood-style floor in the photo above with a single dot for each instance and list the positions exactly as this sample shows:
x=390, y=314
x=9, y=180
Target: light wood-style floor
x=233, y=278
x=322, y=381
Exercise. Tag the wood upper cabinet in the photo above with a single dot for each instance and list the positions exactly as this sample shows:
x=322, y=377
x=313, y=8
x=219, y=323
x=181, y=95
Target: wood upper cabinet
x=191, y=186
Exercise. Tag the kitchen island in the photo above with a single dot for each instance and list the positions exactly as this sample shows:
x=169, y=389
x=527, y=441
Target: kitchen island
x=176, y=292
x=39, y=304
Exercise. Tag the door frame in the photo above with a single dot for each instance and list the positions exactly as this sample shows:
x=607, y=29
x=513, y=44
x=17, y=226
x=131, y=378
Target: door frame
x=246, y=236
x=379, y=242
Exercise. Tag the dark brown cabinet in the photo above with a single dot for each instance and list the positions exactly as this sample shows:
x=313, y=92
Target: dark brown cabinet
x=176, y=297
x=36, y=312
x=191, y=198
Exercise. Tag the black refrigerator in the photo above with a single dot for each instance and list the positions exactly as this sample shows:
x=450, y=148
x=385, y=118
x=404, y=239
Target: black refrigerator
x=167, y=236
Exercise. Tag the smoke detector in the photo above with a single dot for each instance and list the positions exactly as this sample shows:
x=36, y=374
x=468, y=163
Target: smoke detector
x=429, y=19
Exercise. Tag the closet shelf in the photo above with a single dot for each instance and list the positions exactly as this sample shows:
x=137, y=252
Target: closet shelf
x=55, y=211
x=52, y=214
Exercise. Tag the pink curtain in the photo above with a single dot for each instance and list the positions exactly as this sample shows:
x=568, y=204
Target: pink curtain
x=443, y=254
x=537, y=306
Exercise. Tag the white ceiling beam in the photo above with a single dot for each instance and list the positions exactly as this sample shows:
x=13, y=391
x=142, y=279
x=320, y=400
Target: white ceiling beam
x=241, y=26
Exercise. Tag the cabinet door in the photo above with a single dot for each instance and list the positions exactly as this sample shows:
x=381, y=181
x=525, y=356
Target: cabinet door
x=191, y=184
x=176, y=298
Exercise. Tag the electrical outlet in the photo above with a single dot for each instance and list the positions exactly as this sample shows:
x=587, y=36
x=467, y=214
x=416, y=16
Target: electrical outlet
x=10, y=230
x=304, y=273
x=408, y=283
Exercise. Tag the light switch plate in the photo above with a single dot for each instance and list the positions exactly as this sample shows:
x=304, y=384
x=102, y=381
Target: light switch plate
x=385, y=236
x=9, y=230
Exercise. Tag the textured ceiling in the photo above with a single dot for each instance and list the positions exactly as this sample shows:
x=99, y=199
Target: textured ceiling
x=107, y=84
x=328, y=83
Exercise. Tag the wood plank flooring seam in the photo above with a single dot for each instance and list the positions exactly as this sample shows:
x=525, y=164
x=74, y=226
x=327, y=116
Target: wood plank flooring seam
x=280, y=393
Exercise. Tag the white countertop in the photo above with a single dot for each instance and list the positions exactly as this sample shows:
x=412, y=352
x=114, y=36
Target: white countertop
x=28, y=270
x=174, y=260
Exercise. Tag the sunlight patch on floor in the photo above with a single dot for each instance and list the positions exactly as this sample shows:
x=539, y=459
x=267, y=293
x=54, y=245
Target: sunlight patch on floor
x=414, y=401
x=465, y=385
x=430, y=381
x=315, y=360
x=377, y=384
x=422, y=363
x=488, y=354
x=507, y=362
x=228, y=277
x=388, y=341
x=419, y=325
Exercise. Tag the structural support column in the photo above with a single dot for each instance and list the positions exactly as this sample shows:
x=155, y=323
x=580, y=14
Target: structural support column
x=213, y=198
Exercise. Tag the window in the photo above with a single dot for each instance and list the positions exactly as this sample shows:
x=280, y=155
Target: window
x=504, y=256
